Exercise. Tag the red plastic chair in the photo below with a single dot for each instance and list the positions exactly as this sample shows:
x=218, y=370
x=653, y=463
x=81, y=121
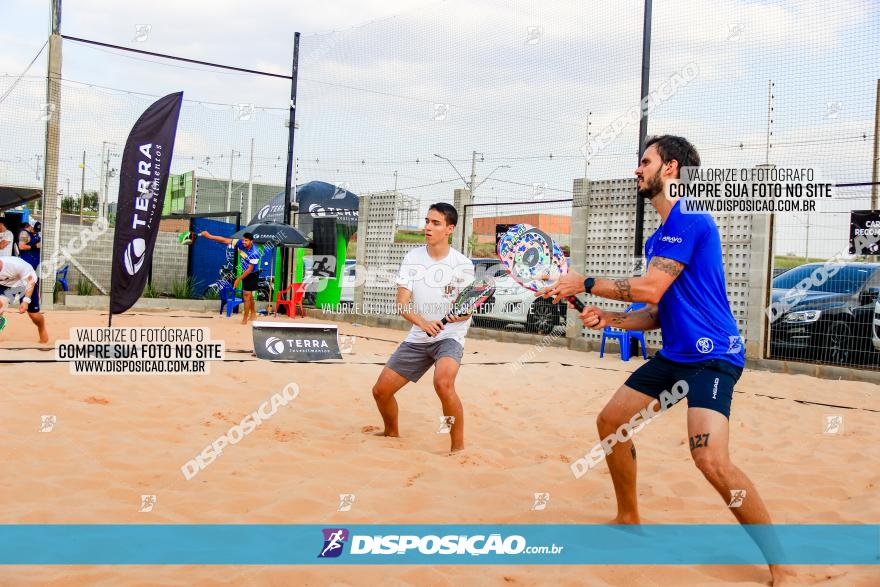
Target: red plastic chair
x=291, y=297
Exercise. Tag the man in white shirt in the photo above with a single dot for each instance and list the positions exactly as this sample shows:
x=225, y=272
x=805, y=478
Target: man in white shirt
x=429, y=280
x=5, y=240
x=18, y=277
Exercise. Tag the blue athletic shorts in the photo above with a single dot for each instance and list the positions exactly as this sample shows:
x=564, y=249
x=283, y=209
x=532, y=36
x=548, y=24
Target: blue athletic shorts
x=710, y=383
x=33, y=307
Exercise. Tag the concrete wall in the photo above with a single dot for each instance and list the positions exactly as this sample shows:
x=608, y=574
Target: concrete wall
x=169, y=258
x=603, y=219
x=602, y=244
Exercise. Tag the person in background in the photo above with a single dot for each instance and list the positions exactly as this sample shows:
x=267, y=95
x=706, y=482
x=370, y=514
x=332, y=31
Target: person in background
x=249, y=279
x=5, y=240
x=18, y=281
x=29, y=243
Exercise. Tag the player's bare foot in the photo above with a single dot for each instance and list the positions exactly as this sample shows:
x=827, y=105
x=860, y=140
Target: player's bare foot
x=456, y=449
x=782, y=576
x=388, y=433
x=623, y=519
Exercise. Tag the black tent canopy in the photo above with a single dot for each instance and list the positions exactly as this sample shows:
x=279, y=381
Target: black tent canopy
x=12, y=196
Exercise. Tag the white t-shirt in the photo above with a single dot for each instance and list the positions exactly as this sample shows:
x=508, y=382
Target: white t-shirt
x=15, y=272
x=434, y=286
x=6, y=251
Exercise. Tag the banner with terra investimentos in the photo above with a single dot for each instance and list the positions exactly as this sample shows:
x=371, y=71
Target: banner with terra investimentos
x=143, y=177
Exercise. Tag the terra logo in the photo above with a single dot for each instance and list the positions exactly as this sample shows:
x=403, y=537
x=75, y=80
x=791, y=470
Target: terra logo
x=705, y=345
x=334, y=541
x=274, y=345
x=134, y=255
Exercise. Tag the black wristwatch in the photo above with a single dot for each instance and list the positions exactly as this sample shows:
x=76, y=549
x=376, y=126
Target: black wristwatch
x=589, y=282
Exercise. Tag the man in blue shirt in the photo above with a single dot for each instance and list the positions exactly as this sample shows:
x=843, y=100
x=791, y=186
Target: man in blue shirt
x=249, y=279
x=29, y=243
x=702, y=357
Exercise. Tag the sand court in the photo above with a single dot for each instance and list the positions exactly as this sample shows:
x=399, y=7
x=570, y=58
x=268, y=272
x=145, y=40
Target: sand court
x=116, y=438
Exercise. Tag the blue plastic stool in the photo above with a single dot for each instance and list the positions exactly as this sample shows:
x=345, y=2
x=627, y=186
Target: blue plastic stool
x=622, y=337
x=229, y=300
x=61, y=277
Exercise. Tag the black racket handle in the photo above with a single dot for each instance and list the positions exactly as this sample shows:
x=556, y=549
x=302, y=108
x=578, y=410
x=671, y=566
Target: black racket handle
x=576, y=302
x=445, y=320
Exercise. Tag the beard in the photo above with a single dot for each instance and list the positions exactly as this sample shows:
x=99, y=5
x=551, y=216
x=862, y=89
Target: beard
x=652, y=187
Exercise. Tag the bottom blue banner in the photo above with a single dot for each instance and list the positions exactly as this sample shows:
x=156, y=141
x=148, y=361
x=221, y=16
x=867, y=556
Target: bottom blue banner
x=268, y=544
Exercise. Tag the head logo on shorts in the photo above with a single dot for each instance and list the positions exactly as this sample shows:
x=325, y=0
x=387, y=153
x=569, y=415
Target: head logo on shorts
x=705, y=345
x=134, y=255
x=274, y=345
x=334, y=541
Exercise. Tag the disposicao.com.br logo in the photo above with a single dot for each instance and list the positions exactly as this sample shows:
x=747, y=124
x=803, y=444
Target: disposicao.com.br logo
x=334, y=540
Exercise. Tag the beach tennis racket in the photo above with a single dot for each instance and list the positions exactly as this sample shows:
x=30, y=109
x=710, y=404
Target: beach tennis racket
x=532, y=259
x=186, y=238
x=470, y=298
x=2, y=323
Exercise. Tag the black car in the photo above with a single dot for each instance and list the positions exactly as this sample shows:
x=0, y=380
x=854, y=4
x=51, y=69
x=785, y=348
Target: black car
x=824, y=312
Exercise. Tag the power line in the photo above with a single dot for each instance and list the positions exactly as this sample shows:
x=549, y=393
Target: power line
x=528, y=185
x=426, y=101
x=413, y=187
x=26, y=69
x=175, y=58
x=137, y=93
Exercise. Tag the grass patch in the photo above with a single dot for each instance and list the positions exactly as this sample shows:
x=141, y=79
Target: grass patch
x=183, y=289
x=412, y=236
x=151, y=291
x=409, y=236
x=483, y=251
x=84, y=287
x=787, y=262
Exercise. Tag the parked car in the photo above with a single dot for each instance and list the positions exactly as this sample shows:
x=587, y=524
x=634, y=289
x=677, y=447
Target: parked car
x=876, y=331
x=513, y=304
x=829, y=321
x=316, y=285
x=348, y=280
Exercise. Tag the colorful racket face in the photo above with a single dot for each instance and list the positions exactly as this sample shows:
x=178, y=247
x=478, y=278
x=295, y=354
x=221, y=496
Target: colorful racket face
x=471, y=297
x=533, y=259
x=2, y=323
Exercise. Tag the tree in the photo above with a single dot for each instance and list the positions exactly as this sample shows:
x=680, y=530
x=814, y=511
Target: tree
x=70, y=205
x=90, y=201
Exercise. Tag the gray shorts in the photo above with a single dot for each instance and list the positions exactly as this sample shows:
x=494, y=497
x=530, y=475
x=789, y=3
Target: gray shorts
x=412, y=360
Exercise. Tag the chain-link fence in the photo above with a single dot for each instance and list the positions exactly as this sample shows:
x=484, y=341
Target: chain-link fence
x=513, y=102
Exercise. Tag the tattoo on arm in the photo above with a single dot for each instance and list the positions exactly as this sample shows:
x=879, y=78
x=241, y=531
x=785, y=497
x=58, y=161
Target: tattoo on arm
x=623, y=289
x=699, y=441
x=617, y=319
x=668, y=266
x=632, y=450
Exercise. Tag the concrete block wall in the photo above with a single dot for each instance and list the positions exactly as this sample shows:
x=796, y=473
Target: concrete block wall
x=169, y=258
x=376, y=225
x=605, y=212
x=603, y=240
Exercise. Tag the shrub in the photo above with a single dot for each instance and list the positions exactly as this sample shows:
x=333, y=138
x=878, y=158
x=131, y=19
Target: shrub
x=84, y=287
